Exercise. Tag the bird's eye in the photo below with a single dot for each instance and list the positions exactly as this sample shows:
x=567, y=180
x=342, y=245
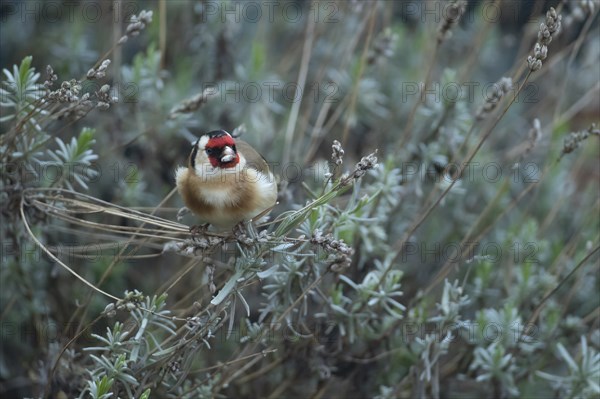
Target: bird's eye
x=210, y=151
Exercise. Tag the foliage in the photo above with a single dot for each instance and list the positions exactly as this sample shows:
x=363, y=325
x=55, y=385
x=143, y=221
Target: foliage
x=436, y=233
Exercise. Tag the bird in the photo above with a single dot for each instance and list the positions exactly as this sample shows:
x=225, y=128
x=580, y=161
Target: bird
x=226, y=181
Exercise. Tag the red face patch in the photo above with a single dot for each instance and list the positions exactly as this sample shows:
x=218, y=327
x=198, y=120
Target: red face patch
x=214, y=149
x=216, y=163
x=220, y=142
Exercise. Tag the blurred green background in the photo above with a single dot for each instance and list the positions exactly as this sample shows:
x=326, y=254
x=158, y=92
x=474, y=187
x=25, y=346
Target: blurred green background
x=298, y=75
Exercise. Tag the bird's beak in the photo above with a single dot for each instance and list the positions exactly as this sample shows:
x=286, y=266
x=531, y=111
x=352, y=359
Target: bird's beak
x=228, y=154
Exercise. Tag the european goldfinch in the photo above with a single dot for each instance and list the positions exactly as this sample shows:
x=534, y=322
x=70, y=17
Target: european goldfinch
x=226, y=181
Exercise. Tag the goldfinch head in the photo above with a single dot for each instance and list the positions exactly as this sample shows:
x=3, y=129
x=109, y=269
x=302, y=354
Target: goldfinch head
x=217, y=149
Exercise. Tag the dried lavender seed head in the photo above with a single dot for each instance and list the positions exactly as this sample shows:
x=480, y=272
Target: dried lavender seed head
x=338, y=153
x=104, y=65
x=540, y=51
x=138, y=23
x=365, y=164
x=100, y=72
x=544, y=35
x=330, y=244
x=574, y=139
x=452, y=15
x=548, y=30
x=503, y=86
x=553, y=21
x=192, y=104
x=104, y=98
x=68, y=92
x=145, y=16
x=51, y=77
x=534, y=63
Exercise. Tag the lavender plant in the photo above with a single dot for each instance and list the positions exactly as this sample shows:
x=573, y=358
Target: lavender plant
x=436, y=231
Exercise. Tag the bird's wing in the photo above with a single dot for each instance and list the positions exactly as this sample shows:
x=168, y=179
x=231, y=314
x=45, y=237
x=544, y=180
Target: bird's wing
x=253, y=158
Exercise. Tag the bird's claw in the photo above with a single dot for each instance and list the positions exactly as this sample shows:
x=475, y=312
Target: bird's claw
x=240, y=232
x=199, y=230
x=239, y=229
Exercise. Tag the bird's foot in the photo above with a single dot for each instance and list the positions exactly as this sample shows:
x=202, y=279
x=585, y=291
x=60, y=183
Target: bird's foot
x=199, y=230
x=240, y=232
